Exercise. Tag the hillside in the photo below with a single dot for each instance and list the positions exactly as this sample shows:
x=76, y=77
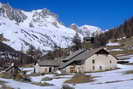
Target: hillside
x=125, y=30
x=120, y=47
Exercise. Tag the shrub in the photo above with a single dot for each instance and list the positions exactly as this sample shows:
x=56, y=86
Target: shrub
x=46, y=79
x=67, y=87
x=23, y=78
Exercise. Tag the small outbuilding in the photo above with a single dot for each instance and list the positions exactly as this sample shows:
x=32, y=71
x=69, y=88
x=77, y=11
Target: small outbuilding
x=46, y=66
x=98, y=59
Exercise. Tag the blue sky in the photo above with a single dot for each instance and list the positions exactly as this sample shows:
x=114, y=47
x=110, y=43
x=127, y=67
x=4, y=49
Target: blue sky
x=103, y=13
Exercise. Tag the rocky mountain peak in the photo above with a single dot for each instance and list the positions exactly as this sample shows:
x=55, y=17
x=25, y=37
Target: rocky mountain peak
x=74, y=27
x=13, y=14
x=38, y=28
x=44, y=13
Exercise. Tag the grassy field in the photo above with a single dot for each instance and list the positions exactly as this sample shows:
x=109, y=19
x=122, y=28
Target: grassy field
x=129, y=72
x=124, y=52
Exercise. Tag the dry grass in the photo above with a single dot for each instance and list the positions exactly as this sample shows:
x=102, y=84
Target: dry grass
x=87, y=45
x=114, y=47
x=6, y=87
x=80, y=78
x=18, y=77
x=62, y=74
x=27, y=65
x=42, y=84
x=3, y=86
x=35, y=74
x=129, y=72
x=125, y=45
x=125, y=52
x=5, y=75
x=47, y=79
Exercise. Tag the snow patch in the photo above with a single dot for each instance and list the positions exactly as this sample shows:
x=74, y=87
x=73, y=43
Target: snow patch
x=130, y=60
x=113, y=44
x=116, y=50
x=21, y=85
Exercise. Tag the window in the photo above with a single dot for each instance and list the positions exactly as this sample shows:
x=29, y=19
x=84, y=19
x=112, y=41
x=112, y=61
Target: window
x=93, y=67
x=100, y=67
x=110, y=61
x=93, y=61
x=50, y=69
x=72, y=69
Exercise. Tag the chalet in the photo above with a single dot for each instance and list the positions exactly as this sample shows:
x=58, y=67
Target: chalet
x=46, y=66
x=89, y=61
x=82, y=60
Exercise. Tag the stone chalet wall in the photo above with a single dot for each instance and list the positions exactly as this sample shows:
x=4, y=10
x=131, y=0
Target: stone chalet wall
x=100, y=63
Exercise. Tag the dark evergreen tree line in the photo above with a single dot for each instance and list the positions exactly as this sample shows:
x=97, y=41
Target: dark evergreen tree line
x=124, y=30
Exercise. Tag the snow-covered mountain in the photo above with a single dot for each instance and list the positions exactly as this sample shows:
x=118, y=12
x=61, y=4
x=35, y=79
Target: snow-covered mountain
x=39, y=28
x=87, y=30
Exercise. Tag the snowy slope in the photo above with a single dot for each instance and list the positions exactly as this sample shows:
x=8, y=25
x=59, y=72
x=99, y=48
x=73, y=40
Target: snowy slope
x=39, y=28
x=87, y=30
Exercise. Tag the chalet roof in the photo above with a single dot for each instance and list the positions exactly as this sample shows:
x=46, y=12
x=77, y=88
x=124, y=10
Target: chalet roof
x=76, y=53
x=49, y=62
x=82, y=55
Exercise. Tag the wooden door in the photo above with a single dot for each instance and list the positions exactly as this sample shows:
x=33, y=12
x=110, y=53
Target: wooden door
x=72, y=69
